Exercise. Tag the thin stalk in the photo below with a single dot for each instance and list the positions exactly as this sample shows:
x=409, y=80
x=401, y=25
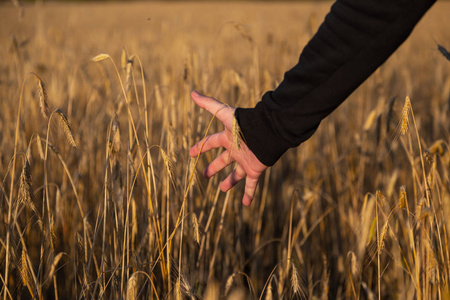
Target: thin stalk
x=378, y=252
x=16, y=139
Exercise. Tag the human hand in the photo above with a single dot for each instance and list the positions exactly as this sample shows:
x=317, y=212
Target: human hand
x=247, y=164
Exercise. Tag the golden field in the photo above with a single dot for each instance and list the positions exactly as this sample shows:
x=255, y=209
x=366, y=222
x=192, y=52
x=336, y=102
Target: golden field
x=100, y=199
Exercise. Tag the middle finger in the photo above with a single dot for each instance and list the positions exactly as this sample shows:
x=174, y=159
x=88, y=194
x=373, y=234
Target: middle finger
x=223, y=160
x=213, y=141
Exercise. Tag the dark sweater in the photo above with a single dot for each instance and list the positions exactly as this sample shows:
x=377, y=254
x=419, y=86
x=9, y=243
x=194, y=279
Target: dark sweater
x=356, y=37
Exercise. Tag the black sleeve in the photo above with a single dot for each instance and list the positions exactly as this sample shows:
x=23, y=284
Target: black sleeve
x=356, y=37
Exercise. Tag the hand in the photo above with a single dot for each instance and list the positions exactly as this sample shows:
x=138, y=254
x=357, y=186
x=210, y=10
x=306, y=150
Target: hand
x=247, y=163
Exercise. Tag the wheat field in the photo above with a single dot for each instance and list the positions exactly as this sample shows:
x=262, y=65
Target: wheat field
x=99, y=198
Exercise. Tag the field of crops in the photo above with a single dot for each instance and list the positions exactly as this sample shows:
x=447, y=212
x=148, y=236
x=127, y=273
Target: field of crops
x=100, y=199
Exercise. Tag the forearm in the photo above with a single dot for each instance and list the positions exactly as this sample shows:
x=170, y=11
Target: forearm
x=356, y=37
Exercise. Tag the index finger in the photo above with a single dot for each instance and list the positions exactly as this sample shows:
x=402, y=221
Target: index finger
x=222, y=111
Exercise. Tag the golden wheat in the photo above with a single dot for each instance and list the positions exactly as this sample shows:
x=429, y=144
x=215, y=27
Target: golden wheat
x=343, y=205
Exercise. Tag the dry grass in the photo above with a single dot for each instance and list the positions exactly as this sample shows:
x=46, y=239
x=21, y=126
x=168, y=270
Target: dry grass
x=358, y=211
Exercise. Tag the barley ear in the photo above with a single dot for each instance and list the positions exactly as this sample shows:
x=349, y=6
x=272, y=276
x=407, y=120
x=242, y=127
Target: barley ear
x=431, y=263
x=430, y=177
x=369, y=120
x=115, y=145
x=437, y=147
x=23, y=268
x=53, y=237
x=428, y=156
x=43, y=104
x=405, y=116
x=178, y=294
x=39, y=146
x=67, y=129
x=295, y=280
x=132, y=287
x=236, y=133
x=167, y=164
x=382, y=237
x=124, y=59
x=195, y=228
x=381, y=198
x=229, y=283
x=26, y=193
x=269, y=293
x=54, y=264
x=402, y=198
x=352, y=261
x=100, y=57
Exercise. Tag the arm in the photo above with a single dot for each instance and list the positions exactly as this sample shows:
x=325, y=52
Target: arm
x=356, y=37
x=354, y=40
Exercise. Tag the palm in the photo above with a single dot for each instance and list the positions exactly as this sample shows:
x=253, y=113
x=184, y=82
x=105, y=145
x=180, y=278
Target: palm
x=247, y=163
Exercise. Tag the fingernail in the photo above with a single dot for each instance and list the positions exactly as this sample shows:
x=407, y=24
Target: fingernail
x=197, y=93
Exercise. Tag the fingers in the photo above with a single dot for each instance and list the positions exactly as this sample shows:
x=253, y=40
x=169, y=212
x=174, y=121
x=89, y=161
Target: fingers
x=223, y=160
x=225, y=114
x=250, y=184
x=217, y=108
x=211, y=142
x=250, y=188
x=237, y=175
